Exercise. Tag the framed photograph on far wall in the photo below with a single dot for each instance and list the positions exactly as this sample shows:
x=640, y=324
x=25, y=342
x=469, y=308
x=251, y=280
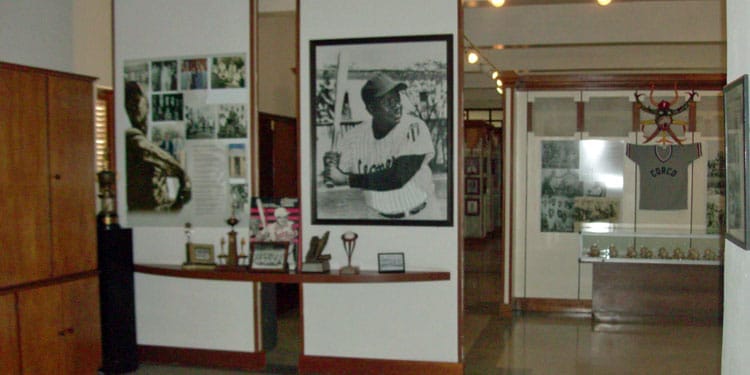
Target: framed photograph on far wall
x=472, y=185
x=737, y=176
x=472, y=207
x=381, y=113
x=471, y=165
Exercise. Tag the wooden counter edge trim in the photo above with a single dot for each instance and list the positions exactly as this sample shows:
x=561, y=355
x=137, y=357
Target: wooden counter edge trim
x=271, y=277
x=365, y=366
x=249, y=361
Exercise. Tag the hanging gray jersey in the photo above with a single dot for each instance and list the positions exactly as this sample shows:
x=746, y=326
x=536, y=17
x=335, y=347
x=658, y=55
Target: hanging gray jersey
x=663, y=174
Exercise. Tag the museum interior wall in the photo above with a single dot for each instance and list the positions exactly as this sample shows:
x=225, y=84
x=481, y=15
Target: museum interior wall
x=71, y=36
x=395, y=321
x=737, y=260
x=182, y=312
x=54, y=19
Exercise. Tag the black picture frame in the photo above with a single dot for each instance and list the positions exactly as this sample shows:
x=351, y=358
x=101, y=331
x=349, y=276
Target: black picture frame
x=424, y=65
x=737, y=135
x=471, y=165
x=391, y=263
x=472, y=207
x=268, y=256
x=473, y=186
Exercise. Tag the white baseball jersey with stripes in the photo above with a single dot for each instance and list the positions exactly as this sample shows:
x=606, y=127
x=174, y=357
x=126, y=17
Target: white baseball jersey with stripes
x=362, y=153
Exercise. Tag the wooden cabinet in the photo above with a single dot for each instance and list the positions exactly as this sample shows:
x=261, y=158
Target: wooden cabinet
x=49, y=298
x=60, y=327
x=46, y=175
x=9, y=351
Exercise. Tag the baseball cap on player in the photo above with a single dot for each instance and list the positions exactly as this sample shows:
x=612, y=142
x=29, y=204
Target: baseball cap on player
x=281, y=212
x=379, y=85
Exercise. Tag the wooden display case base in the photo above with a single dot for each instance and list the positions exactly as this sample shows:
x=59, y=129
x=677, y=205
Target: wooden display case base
x=657, y=293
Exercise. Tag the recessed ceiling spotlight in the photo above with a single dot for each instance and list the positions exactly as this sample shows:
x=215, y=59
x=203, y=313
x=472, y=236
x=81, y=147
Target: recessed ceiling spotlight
x=603, y=2
x=497, y=3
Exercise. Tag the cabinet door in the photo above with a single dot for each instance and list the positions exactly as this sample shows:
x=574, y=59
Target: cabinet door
x=72, y=185
x=42, y=330
x=60, y=328
x=9, y=355
x=24, y=173
x=83, y=349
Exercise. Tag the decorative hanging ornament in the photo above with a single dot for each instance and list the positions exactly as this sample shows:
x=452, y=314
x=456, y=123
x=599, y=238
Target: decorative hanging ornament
x=663, y=116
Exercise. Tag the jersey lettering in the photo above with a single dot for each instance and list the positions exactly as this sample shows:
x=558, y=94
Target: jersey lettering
x=363, y=168
x=663, y=171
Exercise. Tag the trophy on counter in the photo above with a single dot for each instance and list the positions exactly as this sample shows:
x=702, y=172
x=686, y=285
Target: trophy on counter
x=350, y=241
x=107, y=217
x=188, y=234
x=231, y=259
x=315, y=260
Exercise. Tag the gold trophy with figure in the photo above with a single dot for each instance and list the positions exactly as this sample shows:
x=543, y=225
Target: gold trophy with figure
x=231, y=259
x=107, y=216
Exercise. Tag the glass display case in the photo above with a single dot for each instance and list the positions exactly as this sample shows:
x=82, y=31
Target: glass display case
x=617, y=243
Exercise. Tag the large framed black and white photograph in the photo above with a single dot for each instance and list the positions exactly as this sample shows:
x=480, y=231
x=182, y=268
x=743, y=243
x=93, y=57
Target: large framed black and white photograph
x=736, y=136
x=382, y=130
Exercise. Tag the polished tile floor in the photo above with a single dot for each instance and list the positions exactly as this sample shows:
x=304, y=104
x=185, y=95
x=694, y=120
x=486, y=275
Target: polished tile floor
x=536, y=344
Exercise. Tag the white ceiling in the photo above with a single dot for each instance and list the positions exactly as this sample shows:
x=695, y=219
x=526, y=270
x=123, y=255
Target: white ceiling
x=580, y=37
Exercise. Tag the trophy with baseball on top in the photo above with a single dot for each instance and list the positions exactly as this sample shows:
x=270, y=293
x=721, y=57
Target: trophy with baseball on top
x=349, y=240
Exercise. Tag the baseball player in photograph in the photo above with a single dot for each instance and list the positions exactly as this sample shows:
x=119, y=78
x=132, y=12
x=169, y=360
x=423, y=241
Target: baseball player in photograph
x=389, y=157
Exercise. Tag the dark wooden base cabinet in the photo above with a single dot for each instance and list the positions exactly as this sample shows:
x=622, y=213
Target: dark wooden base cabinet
x=117, y=299
x=645, y=292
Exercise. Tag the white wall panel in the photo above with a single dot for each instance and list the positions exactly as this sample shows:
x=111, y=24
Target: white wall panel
x=734, y=359
x=181, y=312
x=370, y=320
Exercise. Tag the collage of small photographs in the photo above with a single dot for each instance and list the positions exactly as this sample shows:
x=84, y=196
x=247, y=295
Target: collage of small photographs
x=198, y=98
x=570, y=193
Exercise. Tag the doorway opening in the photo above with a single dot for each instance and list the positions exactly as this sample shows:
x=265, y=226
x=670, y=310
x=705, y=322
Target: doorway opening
x=484, y=251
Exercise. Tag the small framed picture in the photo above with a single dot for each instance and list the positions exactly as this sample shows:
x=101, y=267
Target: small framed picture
x=471, y=165
x=472, y=185
x=472, y=207
x=391, y=262
x=737, y=136
x=201, y=254
x=268, y=256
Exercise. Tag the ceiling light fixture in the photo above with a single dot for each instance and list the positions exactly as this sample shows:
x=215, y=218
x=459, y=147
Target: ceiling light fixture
x=603, y=2
x=474, y=56
x=497, y=3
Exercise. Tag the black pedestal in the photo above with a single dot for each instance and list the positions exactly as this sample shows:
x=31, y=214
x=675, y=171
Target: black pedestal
x=117, y=299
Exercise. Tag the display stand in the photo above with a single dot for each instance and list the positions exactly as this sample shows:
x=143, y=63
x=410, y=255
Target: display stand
x=641, y=277
x=116, y=291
